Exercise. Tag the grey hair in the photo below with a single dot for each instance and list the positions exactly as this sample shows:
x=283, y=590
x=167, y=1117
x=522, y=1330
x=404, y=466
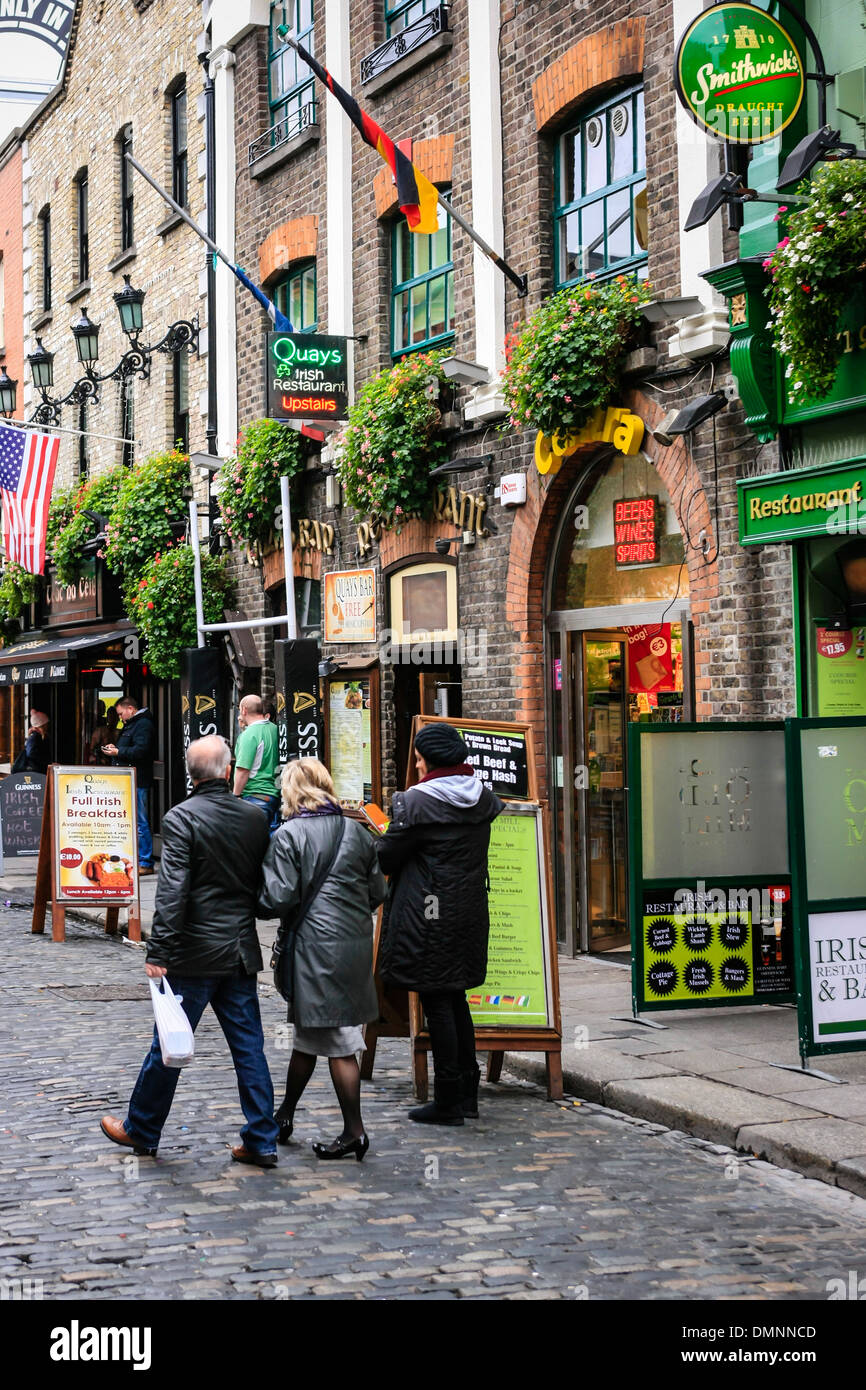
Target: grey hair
x=207, y=758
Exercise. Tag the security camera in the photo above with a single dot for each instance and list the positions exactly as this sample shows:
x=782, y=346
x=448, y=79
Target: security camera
x=443, y=545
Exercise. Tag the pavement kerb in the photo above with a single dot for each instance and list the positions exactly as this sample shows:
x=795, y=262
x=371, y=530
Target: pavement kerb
x=767, y=1140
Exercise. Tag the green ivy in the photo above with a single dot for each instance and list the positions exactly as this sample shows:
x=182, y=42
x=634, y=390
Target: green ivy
x=814, y=270
x=149, y=500
x=68, y=526
x=566, y=361
x=162, y=605
x=392, y=441
x=250, y=482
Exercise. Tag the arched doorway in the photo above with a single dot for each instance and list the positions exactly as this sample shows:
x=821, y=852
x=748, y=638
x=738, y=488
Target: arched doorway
x=618, y=633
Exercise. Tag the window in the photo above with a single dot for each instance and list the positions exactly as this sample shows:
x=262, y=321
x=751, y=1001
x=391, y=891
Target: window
x=45, y=251
x=2, y=300
x=291, y=86
x=399, y=14
x=601, y=210
x=83, y=443
x=423, y=287
x=124, y=146
x=82, y=232
x=180, y=402
x=179, y=180
x=296, y=298
x=127, y=423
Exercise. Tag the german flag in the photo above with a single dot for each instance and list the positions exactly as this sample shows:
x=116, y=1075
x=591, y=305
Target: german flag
x=415, y=193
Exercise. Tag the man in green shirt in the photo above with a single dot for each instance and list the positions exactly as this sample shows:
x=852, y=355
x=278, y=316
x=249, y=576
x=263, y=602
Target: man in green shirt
x=257, y=759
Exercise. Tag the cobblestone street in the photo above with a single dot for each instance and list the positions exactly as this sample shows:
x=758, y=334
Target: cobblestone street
x=532, y=1201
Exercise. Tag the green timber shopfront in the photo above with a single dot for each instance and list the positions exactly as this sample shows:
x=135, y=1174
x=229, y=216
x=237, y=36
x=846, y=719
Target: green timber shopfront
x=821, y=513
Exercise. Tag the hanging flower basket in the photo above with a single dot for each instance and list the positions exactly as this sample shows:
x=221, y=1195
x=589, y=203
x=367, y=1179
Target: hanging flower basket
x=249, y=497
x=393, y=441
x=566, y=361
x=814, y=270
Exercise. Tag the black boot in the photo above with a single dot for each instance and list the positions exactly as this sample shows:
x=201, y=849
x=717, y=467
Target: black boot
x=446, y=1108
x=469, y=1091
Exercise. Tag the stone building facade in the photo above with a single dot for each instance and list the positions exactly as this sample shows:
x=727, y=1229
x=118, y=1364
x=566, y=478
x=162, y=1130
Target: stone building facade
x=485, y=96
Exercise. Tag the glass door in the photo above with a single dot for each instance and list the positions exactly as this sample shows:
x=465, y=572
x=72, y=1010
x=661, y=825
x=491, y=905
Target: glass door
x=602, y=856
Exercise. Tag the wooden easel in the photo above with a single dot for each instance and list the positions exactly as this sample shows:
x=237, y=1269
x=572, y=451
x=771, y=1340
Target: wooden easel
x=401, y=1016
x=44, y=892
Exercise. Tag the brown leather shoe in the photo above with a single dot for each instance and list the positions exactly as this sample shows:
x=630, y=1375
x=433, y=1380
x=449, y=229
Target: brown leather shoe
x=143, y=873
x=242, y=1155
x=113, y=1129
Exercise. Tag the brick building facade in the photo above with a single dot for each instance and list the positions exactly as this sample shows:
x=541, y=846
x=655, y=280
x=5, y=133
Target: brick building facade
x=485, y=100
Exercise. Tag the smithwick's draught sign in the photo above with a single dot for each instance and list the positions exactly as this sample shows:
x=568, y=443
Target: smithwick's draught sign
x=739, y=74
x=307, y=377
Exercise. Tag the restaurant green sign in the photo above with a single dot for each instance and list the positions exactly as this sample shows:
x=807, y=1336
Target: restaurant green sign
x=739, y=74
x=789, y=506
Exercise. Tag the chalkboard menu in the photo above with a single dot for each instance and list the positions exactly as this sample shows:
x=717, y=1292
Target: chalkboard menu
x=499, y=760
x=502, y=754
x=21, y=798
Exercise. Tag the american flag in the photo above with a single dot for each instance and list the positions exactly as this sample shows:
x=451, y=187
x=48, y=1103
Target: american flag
x=28, y=459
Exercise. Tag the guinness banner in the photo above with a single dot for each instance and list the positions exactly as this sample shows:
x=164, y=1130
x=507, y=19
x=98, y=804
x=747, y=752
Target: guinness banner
x=201, y=703
x=299, y=718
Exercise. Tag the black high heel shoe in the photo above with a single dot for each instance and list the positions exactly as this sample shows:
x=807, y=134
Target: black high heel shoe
x=286, y=1127
x=342, y=1148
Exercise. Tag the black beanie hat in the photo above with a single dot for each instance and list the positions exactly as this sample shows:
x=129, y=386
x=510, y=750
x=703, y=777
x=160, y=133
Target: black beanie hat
x=440, y=745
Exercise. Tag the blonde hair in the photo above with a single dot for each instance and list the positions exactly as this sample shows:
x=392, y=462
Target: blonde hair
x=306, y=785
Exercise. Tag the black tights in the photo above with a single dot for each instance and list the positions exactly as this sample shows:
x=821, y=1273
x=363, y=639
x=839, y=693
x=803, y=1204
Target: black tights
x=452, y=1033
x=346, y=1076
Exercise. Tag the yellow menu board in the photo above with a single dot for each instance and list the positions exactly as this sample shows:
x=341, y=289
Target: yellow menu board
x=95, y=834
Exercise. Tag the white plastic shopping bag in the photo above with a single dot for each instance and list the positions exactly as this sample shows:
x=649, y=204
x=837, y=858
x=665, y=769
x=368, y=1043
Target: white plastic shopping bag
x=176, y=1039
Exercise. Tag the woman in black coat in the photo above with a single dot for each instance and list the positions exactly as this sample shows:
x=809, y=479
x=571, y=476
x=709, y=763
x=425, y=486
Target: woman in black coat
x=434, y=937
x=332, y=953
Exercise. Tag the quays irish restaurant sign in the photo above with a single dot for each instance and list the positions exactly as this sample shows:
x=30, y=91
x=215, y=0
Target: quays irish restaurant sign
x=739, y=74
x=307, y=377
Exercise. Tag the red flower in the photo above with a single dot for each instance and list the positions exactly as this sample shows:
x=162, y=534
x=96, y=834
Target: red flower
x=807, y=289
x=150, y=605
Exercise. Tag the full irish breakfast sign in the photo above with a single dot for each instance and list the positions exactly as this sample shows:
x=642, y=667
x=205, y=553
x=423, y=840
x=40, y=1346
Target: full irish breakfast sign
x=307, y=377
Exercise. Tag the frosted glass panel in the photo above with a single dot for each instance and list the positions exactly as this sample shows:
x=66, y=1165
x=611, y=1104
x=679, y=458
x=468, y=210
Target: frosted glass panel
x=713, y=804
x=834, y=811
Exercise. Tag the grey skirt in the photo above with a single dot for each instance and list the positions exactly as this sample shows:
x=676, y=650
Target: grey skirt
x=329, y=1042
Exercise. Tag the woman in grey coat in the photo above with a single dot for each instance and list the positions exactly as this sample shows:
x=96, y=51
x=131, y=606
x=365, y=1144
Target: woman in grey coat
x=332, y=967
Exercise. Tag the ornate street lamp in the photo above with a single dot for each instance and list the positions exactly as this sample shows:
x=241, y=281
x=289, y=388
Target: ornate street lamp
x=41, y=367
x=86, y=334
x=8, y=393
x=129, y=303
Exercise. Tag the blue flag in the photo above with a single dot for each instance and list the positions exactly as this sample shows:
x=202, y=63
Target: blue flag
x=278, y=319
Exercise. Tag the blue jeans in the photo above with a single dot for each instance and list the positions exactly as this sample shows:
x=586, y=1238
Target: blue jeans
x=145, y=839
x=235, y=1002
x=271, y=807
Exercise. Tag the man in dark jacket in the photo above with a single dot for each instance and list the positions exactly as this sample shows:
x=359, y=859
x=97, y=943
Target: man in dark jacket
x=434, y=938
x=204, y=938
x=135, y=748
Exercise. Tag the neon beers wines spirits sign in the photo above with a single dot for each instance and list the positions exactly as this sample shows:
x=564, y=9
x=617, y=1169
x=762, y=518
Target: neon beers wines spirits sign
x=307, y=377
x=738, y=74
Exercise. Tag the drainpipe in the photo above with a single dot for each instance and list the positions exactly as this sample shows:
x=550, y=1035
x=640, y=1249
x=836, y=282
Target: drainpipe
x=210, y=157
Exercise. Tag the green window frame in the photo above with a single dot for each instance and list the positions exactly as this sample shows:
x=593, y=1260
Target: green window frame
x=402, y=13
x=296, y=297
x=600, y=191
x=291, y=85
x=422, y=294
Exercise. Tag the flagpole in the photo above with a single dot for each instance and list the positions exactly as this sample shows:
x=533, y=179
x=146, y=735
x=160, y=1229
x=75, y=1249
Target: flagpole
x=61, y=429
x=521, y=282
x=176, y=207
